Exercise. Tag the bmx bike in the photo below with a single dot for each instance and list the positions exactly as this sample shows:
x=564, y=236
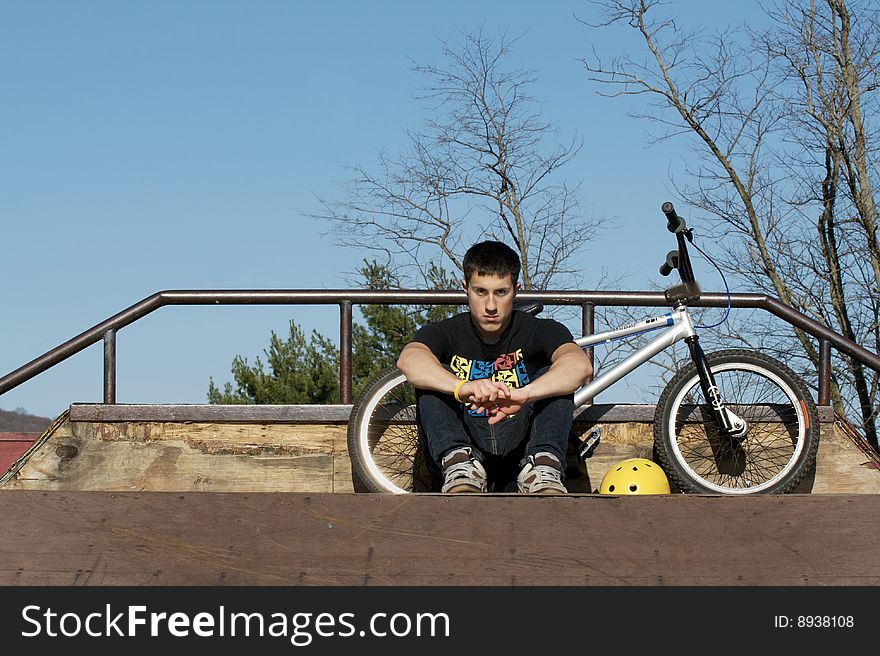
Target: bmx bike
x=730, y=422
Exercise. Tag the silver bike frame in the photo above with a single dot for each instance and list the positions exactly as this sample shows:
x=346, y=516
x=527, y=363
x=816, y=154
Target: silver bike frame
x=677, y=325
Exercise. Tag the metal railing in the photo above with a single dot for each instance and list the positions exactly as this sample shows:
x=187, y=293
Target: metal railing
x=587, y=300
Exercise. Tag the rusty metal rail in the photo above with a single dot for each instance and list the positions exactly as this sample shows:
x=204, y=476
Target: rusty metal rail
x=587, y=300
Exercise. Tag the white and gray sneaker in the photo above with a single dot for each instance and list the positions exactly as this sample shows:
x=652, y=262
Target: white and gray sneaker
x=542, y=474
x=462, y=472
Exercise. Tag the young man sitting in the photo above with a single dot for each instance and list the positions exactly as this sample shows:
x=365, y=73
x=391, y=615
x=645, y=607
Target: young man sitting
x=494, y=386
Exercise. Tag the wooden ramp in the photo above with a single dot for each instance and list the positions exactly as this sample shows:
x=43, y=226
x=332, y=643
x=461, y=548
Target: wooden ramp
x=116, y=495
x=172, y=448
x=347, y=539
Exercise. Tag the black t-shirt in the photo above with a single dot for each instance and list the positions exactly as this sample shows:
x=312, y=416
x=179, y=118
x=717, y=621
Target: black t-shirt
x=525, y=347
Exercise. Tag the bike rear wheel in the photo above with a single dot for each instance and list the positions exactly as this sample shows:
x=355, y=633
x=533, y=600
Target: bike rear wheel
x=782, y=434
x=383, y=439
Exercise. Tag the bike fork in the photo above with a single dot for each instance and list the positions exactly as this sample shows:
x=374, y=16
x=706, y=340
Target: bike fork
x=728, y=423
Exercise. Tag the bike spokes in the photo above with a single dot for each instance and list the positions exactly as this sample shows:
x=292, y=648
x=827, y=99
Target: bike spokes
x=771, y=443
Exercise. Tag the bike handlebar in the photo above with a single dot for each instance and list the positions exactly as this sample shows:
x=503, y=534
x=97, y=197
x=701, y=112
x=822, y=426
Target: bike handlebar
x=679, y=259
x=674, y=223
x=670, y=263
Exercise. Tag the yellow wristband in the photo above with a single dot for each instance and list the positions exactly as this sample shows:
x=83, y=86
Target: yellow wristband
x=458, y=387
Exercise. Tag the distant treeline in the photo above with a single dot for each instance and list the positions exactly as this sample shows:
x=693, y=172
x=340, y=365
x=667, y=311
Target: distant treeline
x=19, y=421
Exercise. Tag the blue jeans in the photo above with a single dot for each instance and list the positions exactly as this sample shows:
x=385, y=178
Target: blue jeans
x=444, y=425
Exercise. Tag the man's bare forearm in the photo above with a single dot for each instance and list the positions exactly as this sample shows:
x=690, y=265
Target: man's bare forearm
x=564, y=376
x=424, y=371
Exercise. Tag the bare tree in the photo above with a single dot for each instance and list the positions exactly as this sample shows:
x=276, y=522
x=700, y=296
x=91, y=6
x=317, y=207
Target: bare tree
x=834, y=70
x=480, y=167
x=778, y=121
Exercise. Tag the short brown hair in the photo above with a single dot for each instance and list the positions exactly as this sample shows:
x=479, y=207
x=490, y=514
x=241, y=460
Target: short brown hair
x=491, y=258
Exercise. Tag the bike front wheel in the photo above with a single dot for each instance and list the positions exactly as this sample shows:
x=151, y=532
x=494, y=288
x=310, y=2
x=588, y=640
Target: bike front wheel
x=773, y=453
x=383, y=438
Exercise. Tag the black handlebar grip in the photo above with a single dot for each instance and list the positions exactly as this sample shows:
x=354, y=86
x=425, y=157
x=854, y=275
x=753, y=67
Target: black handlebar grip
x=670, y=263
x=674, y=222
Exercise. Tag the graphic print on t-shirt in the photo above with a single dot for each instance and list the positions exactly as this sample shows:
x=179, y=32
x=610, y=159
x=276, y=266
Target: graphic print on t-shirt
x=508, y=368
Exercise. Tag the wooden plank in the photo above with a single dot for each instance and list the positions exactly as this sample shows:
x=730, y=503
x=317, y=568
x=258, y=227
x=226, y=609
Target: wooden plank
x=185, y=457
x=210, y=413
x=600, y=412
x=295, y=457
x=100, y=539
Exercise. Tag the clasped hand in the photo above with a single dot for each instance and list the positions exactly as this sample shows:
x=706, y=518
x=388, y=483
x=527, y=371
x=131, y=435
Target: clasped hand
x=494, y=397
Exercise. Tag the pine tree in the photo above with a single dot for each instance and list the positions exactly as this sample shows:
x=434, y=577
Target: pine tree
x=302, y=371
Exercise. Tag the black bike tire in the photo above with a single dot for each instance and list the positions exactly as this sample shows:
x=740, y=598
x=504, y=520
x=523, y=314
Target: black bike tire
x=798, y=464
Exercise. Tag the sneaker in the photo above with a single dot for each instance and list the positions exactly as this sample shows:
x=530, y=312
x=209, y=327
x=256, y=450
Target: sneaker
x=462, y=472
x=542, y=474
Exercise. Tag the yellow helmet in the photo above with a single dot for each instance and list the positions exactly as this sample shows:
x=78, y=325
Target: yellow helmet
x=634, y=476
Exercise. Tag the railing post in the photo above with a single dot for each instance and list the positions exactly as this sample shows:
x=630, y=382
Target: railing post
x=110, y=366
x=345, y=352
x=588, y=327
x=588, y=323
x=824, y=372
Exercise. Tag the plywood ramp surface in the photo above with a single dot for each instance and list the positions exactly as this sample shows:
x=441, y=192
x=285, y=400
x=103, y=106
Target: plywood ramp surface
x=303, y=449
x=329, y=539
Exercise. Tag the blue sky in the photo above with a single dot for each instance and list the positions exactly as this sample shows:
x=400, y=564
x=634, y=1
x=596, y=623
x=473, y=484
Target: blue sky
x=181, y=144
